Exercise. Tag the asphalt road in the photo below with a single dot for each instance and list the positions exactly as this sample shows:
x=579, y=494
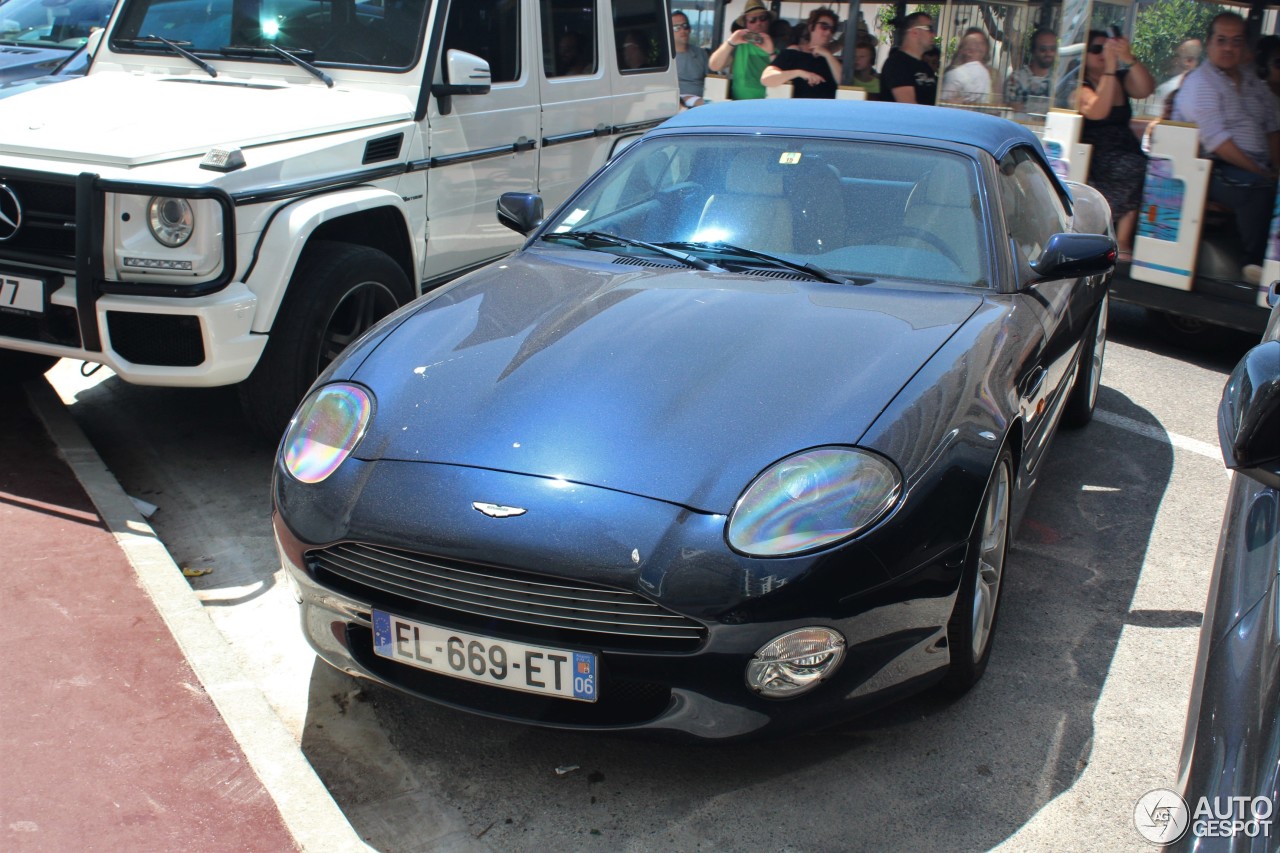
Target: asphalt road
x=1080, y=712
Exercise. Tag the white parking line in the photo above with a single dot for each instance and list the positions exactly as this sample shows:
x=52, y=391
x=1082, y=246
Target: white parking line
x=1181, y=442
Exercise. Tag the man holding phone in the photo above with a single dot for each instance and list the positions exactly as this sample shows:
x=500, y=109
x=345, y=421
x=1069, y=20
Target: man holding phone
x=750, y=49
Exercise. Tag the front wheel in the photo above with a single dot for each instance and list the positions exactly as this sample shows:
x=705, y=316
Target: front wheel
x=337, y=293
x=1084, y=392
x=973, y=621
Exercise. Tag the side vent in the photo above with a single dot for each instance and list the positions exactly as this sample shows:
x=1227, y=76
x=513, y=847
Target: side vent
x=386, y=148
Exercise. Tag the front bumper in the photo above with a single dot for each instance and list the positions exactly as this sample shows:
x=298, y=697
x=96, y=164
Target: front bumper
x=894, y=625
x=202, y=341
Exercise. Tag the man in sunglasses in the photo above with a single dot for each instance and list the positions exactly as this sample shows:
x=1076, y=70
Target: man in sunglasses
x=1239, y=130
x=906, y=77
x=691, y=61
x=749, y=49
x=1031, y=82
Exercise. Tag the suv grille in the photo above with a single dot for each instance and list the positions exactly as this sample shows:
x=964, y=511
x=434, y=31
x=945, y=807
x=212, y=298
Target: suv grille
x=523, y=604
x=48, y=232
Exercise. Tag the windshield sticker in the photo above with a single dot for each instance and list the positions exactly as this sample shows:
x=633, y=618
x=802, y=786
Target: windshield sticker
x=789, y=158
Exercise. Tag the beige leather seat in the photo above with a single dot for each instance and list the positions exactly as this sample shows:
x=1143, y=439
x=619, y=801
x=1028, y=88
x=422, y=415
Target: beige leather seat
x=752, y=211
x=944, y=212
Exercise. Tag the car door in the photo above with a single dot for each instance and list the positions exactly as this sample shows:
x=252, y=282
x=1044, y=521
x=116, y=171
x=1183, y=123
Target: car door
x=640, y=50
x=576, y=95
x=481, y=145
x=1034, y=212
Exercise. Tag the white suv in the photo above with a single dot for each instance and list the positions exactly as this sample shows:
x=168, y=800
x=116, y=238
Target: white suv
x=239, y=188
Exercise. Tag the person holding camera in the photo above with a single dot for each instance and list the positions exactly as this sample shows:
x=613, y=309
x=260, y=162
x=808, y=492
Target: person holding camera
x=749, y=50
x=1117, y=167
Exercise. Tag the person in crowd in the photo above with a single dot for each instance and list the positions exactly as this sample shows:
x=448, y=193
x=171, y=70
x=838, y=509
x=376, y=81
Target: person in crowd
x=633, y=52
x=1117, y=166
x=748, y=51
x=691, y=61
x=1185, y=59
x=968, y=80
x=1239, y=130
x=784, y=35
x=571, y=55
x=811, y=69
x=933, y=58
x=1267, y=58
x=906, y=77
x=864, y=69
x=1035, y=79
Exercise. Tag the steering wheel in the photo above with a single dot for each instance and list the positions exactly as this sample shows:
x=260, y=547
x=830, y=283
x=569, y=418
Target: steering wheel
x=932, y=240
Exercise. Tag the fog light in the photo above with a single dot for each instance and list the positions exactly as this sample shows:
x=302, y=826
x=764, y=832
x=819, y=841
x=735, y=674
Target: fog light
x=795, y=663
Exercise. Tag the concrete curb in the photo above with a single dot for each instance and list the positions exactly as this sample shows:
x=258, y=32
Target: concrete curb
x=308, y=809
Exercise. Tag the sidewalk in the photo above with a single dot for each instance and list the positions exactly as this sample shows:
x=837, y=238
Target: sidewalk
x=124, y=721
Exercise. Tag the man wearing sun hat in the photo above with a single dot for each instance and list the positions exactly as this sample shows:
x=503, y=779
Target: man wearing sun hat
x=750, y=50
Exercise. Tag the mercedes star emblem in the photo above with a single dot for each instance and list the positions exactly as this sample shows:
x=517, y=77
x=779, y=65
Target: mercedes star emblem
x=10, y=212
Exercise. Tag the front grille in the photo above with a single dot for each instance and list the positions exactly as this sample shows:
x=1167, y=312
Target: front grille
x=519, y=603
x=622, y=702
x=167, y=340
x=48, y=231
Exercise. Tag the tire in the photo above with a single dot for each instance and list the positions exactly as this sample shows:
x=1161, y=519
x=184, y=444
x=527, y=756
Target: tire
x=1084, y=392
x=1189, y=332
x=17, y=367
x=973, y=621
x=338, y=292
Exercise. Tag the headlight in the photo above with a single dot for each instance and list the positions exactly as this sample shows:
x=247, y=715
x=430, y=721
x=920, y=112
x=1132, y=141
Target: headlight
x=327, y=427
x=811, y=500
x=795, y=663
x=171, y=220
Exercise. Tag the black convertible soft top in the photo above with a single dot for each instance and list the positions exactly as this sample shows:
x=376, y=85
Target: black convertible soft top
x=993, y=135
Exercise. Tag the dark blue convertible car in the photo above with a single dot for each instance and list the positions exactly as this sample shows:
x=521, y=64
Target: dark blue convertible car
x=735, y=443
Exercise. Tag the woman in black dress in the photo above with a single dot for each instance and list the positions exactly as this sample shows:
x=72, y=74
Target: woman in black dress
x=1117, y=166
x=810, y=66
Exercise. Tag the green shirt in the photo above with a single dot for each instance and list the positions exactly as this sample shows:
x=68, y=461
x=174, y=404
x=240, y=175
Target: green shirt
x=749, y=62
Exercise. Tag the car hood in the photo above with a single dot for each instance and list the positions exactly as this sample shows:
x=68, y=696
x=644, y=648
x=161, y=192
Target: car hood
x=673, y=384
x=137, y=120
x=20, y=61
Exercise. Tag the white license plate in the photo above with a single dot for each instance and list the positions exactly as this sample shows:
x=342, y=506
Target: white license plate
x=533, y=669
x=18, y=293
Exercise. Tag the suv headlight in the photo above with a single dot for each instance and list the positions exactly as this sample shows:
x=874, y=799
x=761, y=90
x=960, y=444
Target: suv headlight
x=812, y=499
x=171, y=220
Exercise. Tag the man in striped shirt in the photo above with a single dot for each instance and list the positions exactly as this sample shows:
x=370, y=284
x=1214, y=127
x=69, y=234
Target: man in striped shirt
x=1239, y=130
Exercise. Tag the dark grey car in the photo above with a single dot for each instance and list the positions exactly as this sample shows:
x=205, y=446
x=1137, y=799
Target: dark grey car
x=1231, y=754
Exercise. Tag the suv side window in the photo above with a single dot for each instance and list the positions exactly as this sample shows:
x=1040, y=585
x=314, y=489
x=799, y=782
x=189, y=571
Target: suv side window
x=1033, y=210
x=568, y=37
x=642, y=31
x=489, y=29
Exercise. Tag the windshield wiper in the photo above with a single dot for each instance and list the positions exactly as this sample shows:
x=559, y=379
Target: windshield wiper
x=604, y=237
x=304, y=65
x=811, y=269
x=183, y=52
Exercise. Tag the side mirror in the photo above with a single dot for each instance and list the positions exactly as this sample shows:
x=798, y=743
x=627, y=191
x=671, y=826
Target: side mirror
x=1075, y=255
x=1249, y=415
x=520, y=211
x=95, y=38
x=464, y=74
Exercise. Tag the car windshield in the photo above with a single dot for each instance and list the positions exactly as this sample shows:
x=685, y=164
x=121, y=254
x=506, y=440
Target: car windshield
x=380, y=33
x=854, y=209
x=52, y=23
